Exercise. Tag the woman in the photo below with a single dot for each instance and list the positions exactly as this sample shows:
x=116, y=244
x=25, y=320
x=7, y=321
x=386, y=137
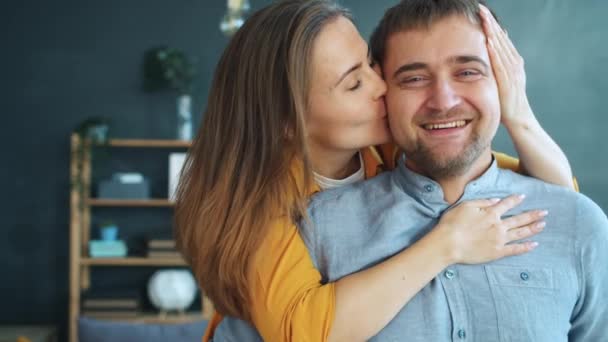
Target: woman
x=281, y=115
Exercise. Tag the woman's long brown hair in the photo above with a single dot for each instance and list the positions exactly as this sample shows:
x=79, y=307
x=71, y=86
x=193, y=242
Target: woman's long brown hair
x=248, y=165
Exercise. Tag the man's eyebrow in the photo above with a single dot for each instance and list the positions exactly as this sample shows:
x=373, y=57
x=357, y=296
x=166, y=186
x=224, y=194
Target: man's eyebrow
x=468, y=59
x=409, y=67
x=351, y=69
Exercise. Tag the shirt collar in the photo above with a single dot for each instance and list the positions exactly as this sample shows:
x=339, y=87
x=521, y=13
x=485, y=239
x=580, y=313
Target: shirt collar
x=426, y=190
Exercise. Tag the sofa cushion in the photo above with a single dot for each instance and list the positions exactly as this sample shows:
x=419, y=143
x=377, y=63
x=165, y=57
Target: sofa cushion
x=93, y=330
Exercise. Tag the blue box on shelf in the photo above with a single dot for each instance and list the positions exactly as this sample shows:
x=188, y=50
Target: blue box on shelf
x=124, y=186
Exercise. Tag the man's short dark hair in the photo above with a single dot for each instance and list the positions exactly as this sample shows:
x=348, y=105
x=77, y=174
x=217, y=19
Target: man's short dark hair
x=418, y=14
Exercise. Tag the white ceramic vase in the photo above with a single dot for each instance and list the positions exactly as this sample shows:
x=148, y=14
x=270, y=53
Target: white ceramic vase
x=171, y=290
x=184, y=117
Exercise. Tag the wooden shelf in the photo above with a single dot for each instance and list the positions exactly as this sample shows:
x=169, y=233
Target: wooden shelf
x=81, y=212
x=152, y=318
x=98, y=202
x=152, y=143
x=133, y=261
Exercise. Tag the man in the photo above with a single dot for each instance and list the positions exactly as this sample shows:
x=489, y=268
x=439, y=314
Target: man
x=444, y=111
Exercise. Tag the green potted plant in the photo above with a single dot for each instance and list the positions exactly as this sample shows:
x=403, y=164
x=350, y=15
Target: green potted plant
x=92, y=131
x=171, y=68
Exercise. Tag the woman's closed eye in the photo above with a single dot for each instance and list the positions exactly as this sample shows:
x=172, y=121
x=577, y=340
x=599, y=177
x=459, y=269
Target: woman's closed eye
x=355, y=86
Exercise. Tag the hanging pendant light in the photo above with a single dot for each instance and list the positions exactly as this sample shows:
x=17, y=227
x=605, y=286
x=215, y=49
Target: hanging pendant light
x=234, y=17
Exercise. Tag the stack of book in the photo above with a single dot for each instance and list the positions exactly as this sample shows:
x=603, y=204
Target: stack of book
x=107, y=249
x=162, y=249
x=110, y=307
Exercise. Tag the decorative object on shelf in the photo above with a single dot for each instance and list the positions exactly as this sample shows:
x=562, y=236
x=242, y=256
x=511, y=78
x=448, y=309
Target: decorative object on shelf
x=234, y=17
x=172, y=290
x=124, y=186
x=95, y=129
x=108, y=231
x=170, y=68
x=184, y=117
x=176, y=163
x=109, y=246
x=107, y=249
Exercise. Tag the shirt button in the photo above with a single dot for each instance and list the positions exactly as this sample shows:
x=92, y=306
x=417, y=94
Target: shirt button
x=524, y=276
x=449, y=274
x=462, y=334
x=428, y=188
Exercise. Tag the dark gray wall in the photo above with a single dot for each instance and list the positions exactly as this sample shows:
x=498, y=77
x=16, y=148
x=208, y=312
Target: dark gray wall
x=67, y=60
x=64, y=61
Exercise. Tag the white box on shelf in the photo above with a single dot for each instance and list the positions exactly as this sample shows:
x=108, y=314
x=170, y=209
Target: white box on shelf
x=176, y=163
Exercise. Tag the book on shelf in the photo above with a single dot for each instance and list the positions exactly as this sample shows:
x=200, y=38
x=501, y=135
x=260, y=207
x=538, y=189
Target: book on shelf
x=161, y=244
x=164, y=254
x=110, y=304
x=107, y=249
x=110, y=314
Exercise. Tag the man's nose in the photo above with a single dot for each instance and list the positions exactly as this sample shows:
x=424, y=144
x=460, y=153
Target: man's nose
x=443, y=96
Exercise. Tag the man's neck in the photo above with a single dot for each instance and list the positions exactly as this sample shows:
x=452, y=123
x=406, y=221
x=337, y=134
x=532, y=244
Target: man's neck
x=453, y=187
x=334, y=164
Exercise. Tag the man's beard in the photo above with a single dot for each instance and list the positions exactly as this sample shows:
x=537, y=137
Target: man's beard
x=438, y=167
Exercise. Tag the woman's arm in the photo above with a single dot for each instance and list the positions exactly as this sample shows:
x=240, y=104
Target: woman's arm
x=289, y=303
x=471, y=233
x=540, y=156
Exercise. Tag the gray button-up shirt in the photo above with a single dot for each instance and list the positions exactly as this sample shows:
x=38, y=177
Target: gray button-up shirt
x=558, y=292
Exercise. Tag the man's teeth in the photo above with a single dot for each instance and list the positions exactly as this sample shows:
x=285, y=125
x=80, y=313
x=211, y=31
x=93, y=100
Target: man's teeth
x=453, y=124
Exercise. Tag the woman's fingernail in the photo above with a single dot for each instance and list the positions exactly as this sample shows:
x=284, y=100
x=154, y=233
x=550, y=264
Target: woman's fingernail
x=534, y=244
x=543, y=213
x=522, y=196
x=540, y=225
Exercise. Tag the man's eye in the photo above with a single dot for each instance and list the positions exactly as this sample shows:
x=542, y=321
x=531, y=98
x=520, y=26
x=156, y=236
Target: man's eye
x=469, y=73
x=356, y=86
x=412, y=80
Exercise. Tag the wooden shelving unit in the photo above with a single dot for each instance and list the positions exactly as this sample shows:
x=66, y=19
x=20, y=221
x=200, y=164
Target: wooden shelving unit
x=158, y=319
x=145, y=143
x=94, y=202
x=131, y=261
x=81, y=205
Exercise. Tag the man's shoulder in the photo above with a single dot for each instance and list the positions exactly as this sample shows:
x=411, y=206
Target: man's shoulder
x=565, y=202
x=515, y=182
x=591, y=220
x=356, y=193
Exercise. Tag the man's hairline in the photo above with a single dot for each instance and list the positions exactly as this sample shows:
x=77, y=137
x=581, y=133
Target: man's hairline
x=423, y=28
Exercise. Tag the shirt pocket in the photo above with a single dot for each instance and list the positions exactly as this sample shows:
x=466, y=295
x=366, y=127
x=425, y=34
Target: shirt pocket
x=526, y=300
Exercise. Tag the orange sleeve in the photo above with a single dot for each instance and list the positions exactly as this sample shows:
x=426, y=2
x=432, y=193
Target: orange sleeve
x=211, y=326
x=505, y=161
x=288, y=300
